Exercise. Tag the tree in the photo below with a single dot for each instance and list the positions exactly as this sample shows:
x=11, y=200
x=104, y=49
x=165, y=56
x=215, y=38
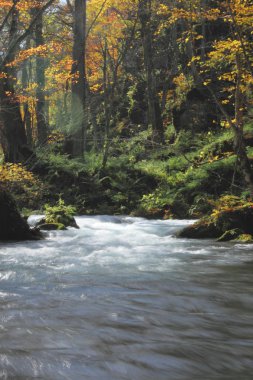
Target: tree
x=154, y=110
x=227, y=80
x=13, y=127
x=13, y=130
x=41, y=116
x=78, y=113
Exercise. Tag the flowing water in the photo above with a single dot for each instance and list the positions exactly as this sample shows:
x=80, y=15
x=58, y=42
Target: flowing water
x=123, y=299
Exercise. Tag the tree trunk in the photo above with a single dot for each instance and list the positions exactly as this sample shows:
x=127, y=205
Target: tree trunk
x=93, y=105
x=154, y=110
x=78, y=102
x=15, y=147
x=41, y=112
x=239, y=142
x=106, y=108
x=27, y=119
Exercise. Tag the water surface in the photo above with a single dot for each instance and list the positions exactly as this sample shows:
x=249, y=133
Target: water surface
x=122, y=299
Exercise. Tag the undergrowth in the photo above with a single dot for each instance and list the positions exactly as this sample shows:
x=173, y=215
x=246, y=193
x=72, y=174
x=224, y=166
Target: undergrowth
x=178, y=179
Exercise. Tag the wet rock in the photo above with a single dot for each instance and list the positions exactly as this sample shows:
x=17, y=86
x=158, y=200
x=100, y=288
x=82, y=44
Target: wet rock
x=42, y=224
x=13, y=226
x=52, y=226
x=202, y=229
x=225, y=225
x=72, y=223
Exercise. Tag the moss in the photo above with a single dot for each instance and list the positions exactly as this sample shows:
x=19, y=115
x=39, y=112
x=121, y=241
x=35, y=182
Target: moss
x=224, y=223
x=244, y=238
x=239, y=217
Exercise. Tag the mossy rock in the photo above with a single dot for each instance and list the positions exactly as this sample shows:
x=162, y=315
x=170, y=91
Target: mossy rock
x=202, y=229
x=218, y=225
x=67, y=221
x=58, y=224
x=52, y=226
x=230, y=235
x=239, y=217
x=244, y=238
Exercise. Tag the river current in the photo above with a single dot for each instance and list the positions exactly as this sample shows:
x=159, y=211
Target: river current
x=123, y=299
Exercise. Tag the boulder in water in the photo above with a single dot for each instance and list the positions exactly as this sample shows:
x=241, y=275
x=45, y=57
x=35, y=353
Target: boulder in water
x=12, y=226
x=202, y=229
x=231, y=235
x=226, y=224
x=52, y=226
x=62, y=224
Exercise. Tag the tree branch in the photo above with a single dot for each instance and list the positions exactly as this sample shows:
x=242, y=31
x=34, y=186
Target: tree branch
x=95, y=19
x=8, y=15
x=26, y=33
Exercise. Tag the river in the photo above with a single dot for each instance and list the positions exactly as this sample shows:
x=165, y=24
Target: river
x=123, y=299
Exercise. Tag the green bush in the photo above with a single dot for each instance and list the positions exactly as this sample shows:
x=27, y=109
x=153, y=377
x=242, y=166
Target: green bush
x=59, y=213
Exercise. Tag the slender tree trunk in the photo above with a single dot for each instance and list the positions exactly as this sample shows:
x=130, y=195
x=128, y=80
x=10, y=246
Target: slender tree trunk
x=27, y=119
x=106, y=108
x=93, y=104
x=41, y=114
x=78, y=102
x=106, y=94
x=239, y=142
x=203, y=32
x=154, y=110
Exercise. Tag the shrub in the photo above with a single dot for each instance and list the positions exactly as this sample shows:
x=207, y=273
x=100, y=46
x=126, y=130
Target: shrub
x=25, y=187
x=59, y=213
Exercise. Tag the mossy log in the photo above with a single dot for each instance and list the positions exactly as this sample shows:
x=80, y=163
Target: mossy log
x=12, y=226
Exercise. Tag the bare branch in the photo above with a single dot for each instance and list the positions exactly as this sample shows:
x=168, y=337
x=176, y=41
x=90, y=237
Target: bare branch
x=70, y=6
x=8, y=15
x=96, y=17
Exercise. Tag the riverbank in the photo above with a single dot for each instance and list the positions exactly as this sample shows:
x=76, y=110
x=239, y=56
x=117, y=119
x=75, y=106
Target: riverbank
x=182, y=180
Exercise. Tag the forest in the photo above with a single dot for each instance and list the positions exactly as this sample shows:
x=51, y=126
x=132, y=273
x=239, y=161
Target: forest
x=126, y=189
x=139, y=107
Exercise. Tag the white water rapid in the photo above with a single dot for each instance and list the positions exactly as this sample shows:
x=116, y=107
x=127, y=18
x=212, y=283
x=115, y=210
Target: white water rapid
x=123, y=299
